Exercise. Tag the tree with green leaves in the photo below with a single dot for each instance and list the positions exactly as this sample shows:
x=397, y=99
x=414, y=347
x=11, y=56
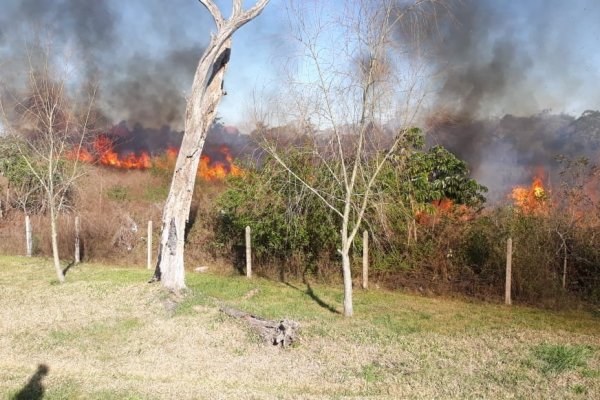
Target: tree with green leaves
x=349, y=81
x=25, y=190
x=425, y=177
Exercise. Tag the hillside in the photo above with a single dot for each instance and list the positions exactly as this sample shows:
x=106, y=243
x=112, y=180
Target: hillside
x=106, y=334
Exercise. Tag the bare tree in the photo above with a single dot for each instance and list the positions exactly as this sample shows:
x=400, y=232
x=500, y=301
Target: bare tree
x=207, y=90
x=355, y=93
x=49, y=125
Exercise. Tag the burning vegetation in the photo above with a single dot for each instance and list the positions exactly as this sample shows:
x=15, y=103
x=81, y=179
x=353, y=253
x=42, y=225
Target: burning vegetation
x=215, y=166
x=532, y=199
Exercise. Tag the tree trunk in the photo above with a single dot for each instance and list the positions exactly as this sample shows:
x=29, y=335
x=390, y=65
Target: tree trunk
x=278, y=333
x=365, y=271
x=508, y=284
x=149, y=246
x=207, y=90
x=202, y=106
x=347, y=273
x=248, y=253
x=54, y=236
x=28, y=240
x=77, y=242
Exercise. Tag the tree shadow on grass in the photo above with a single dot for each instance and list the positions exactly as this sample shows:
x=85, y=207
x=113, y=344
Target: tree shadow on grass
x=310, y=292
x=34, y=389
x=238, y=259
x=68, y=267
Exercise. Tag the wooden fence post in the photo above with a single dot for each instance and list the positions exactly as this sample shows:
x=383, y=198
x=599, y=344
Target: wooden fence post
x=365, y=270
x=507, y=292
x=77, y=242
x=28, y=237
x=248, y=253
x=564, y=275
x=149, y=257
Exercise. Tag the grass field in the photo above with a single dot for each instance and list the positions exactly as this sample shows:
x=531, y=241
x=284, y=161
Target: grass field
x=106, y=334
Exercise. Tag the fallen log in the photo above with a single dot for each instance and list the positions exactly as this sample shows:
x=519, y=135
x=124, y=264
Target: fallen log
x=278, y=333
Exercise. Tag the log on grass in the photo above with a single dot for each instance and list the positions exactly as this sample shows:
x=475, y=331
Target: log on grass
x=278, y=333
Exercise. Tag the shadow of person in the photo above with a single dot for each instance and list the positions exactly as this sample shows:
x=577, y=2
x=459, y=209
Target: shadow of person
x=34, y=390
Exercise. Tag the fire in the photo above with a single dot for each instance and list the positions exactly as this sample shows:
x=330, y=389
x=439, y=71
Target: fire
x=102, y=151
x=531, y=199
x=211, y=170
x=81, y=154
x=107, y=156
x=441, y=207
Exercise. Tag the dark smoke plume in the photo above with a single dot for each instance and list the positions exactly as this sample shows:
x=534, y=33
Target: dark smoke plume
x=499, y=68
x=143, y=53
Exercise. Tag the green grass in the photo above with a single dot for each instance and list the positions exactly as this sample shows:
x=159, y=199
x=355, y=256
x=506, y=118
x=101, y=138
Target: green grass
x=156, y=193
x=378, y=314
x=106, y=333
x=561, y=358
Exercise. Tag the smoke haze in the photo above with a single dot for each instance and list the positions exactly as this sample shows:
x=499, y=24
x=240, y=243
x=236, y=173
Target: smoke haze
x=512, y=80
x=142, y=53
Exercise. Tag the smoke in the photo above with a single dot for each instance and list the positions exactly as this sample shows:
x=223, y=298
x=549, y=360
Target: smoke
x=493, y=58
x=139, y=139
x=511, y=81
x=142, y=53
x=152, y=90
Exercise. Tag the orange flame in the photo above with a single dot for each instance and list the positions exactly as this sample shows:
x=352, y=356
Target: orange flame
x=532, y=199
x=211, y=170
x=441, y=207
x=104, y=154
x=107, y=156
x=81, y=154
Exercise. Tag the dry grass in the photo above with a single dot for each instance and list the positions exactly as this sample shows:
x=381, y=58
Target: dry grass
x=115, y=207
x=106, y=334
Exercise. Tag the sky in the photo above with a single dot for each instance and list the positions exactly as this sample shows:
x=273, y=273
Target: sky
x=555, y=65
x=144, y=53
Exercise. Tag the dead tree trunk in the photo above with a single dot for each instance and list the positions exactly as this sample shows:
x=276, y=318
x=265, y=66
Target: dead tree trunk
x=278, y=333
x=207, y=90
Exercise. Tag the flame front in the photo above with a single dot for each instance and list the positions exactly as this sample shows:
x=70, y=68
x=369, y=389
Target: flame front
x=531, y=199
x=211, y=170
x=102, y=152
x=109, y=157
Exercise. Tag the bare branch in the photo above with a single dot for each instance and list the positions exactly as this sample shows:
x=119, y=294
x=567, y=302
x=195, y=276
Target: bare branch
x=306, y=184
x=239, y=18
x=214, y=11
